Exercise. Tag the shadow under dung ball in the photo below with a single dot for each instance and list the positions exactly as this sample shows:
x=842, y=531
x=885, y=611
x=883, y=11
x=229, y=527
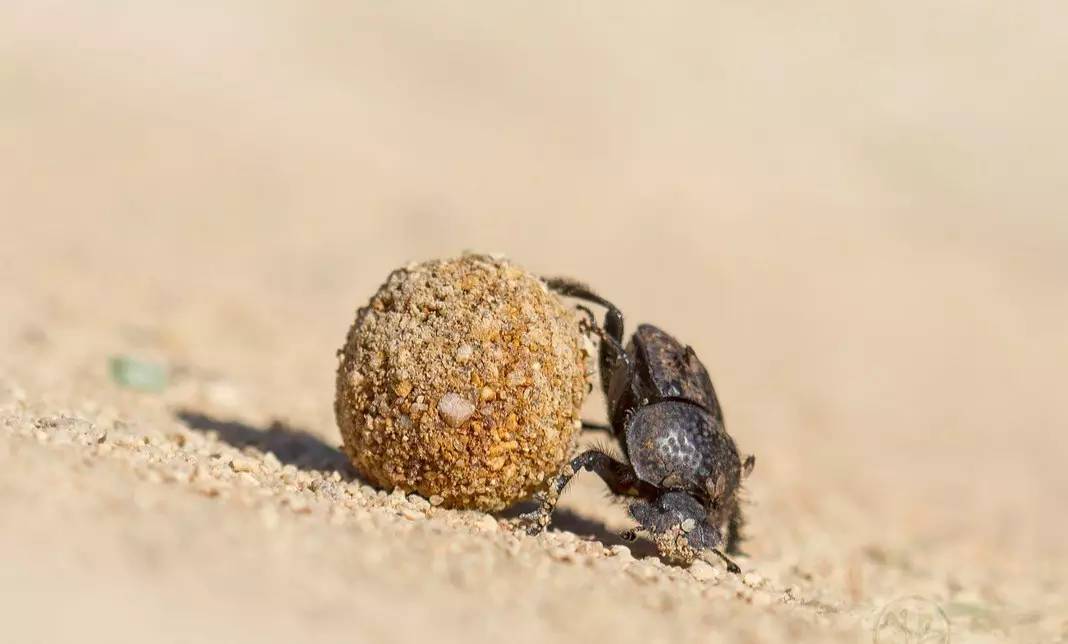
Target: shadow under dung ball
x=462, y=379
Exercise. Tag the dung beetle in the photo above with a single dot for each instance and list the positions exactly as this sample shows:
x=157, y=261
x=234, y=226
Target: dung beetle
x=680, y=471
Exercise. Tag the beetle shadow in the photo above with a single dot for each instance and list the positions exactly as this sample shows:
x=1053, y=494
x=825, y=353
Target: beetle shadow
x=568, y=520
x=290, y=445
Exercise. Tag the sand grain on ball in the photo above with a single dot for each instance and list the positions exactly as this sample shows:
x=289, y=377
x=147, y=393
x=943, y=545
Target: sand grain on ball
x=462, y=379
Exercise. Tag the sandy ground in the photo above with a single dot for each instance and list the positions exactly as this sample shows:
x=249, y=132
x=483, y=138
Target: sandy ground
x=855, y=214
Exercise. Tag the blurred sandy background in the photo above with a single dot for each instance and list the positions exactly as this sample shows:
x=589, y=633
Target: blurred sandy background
x=853, y=211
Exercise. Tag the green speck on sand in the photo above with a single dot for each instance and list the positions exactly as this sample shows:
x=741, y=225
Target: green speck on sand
x=138, y=374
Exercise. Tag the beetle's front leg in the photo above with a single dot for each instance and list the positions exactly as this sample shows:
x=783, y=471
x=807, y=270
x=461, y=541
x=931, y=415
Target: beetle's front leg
x=611, y=335
x=619, y=477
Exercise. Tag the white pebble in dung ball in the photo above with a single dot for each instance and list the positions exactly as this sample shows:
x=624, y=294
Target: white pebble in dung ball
x=454, y=409
x=464, y=353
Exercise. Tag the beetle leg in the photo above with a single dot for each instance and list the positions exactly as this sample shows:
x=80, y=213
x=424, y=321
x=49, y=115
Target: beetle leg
x=731, y=566
x=612, y=351
x=619, y=477
x=588, y=326
x=598, y=426
x=610, y=342
x=613, y=319
x=734, y=530
x=612, y=333
x=590, y=321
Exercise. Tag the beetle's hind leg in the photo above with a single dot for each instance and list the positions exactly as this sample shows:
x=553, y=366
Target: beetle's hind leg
x=611, y=334
x=619, y=477
x=613, y=319
x=587, y=325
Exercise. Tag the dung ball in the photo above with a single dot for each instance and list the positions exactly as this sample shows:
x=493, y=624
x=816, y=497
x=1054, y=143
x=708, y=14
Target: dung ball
x=462, y=379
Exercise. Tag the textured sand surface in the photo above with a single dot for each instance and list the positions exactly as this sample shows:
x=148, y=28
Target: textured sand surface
x=854, y=214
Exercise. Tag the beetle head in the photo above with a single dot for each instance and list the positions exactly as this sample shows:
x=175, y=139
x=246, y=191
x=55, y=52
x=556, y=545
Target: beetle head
x=677, y=518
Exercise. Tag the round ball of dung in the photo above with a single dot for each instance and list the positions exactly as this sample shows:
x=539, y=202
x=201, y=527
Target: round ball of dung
x=462, y=380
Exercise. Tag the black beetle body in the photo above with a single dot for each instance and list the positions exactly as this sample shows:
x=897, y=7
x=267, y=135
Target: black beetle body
x=682, y=471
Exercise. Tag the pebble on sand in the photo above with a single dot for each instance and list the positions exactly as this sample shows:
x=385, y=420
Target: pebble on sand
x=702, y=571
x=141, y=375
